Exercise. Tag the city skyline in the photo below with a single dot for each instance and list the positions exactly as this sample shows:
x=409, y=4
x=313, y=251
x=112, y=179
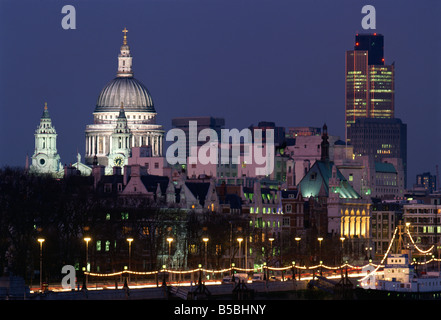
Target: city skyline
x=245, y=63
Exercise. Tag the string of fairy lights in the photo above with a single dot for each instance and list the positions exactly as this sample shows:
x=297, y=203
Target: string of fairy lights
x=268, y=268
x=212, y=271
x=425, y=252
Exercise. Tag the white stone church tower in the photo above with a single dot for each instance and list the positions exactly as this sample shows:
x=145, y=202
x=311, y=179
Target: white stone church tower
x=124, y=117
x=46, y=158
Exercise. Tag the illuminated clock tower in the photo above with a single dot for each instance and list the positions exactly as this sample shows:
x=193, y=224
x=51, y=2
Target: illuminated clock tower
x=121, y=141
x=45, y=158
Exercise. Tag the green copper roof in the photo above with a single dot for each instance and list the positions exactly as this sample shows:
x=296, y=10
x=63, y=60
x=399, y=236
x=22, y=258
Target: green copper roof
x=316, y=182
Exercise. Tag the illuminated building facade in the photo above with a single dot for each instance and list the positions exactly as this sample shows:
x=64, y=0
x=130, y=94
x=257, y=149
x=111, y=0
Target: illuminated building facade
x=46, y=158
x=370, y=87
x=424, y=220
x=347, y=212
x=385, y=218
x=124, y=117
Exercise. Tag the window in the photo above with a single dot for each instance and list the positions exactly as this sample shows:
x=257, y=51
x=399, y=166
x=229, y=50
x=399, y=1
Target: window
x=288, y=208
x=108, y=187
x=107, y=246
x=192, y=248
x=98, y=245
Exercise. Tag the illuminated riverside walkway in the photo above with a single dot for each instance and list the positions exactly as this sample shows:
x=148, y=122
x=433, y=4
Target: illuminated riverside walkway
x=160, y=288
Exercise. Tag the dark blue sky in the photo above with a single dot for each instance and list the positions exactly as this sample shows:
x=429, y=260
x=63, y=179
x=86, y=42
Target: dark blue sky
x=246, y=61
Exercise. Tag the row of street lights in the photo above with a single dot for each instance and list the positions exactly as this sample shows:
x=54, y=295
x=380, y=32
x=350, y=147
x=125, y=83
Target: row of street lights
x=169, y=240
x=86, y=239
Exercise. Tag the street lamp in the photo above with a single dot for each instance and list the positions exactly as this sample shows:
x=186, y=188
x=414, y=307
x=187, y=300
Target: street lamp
x=240, y=241
x=320, y=239
x=342, y=239
x=129, y=240
x=271, y=241
x=370, y=254
x=169, y=240
x=87, y=239
x=41, y=240
x=206, y=241
x=297, y=239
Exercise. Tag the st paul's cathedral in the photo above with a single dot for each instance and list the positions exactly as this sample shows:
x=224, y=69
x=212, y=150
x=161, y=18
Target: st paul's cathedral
x=124, y=117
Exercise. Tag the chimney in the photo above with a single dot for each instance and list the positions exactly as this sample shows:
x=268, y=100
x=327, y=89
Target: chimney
x=117, y=171
x=97, y=173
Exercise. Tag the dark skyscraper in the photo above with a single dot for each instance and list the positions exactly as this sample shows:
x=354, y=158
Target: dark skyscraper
x=380, y=139
x=373, y=44
x=370, y=87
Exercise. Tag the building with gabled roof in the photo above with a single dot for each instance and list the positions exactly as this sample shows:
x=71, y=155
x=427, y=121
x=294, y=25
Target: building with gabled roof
x=337, y=210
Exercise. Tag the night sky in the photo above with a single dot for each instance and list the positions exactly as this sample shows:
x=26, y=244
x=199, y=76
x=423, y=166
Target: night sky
x=245, y=61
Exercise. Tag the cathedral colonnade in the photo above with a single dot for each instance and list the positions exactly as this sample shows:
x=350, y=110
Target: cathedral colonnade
x=101, y=144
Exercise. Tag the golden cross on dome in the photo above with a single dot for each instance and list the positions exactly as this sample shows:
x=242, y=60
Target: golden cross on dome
x=45, y=106
x=125, y=36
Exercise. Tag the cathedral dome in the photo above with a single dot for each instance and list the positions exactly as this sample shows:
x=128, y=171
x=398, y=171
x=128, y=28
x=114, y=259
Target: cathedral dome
x=128, y=91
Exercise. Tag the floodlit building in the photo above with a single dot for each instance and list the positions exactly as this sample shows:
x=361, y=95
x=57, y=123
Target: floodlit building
x=124, y=117
x=46, y=158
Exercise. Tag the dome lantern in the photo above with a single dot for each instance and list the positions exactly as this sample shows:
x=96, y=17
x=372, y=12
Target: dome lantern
x=125, y=88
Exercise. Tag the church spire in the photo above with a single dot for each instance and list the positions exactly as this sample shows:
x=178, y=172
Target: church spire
x=325, y=144
x=125, y=58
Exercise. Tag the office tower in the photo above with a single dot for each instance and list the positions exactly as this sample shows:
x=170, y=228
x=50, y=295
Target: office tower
x=183, y=123
x=427, y=181
x=374, y=44
x=279, y=132
x=380, y=139
x=369, y=89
